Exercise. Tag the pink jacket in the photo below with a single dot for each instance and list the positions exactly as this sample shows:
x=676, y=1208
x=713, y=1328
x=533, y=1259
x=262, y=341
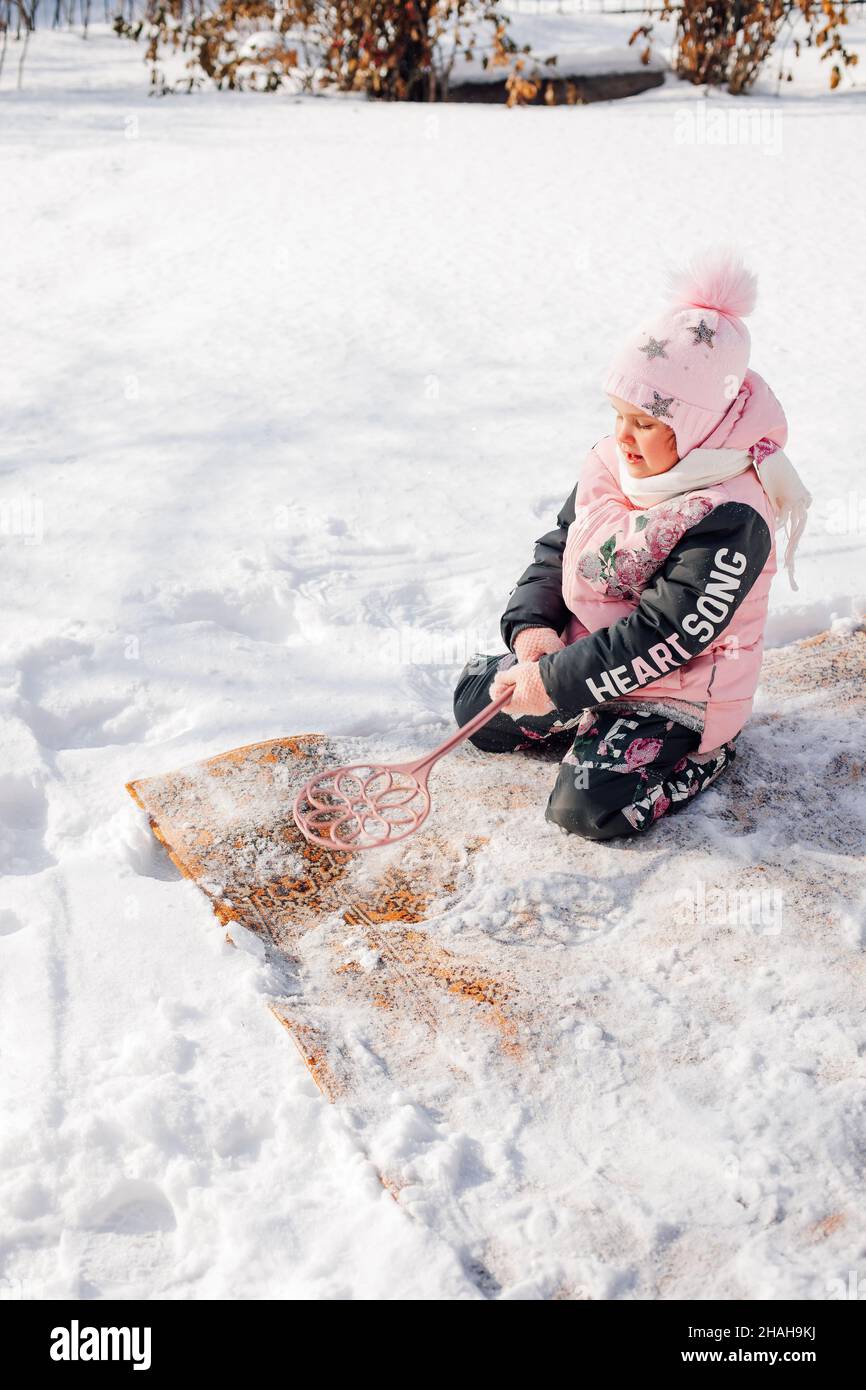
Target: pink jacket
x=613, y=551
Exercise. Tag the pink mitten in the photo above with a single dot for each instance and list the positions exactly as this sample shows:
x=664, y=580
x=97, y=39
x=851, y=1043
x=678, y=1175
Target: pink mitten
x=529, y=697
x=534, y=642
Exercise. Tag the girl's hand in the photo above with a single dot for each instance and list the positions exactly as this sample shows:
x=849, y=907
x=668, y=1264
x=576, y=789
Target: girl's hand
x=534, y=642
x=529, y=696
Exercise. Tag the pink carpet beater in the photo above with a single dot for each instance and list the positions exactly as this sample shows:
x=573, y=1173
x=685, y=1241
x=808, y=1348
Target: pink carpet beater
x=367, y=805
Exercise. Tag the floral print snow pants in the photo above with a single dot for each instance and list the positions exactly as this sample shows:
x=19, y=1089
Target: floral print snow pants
x=623, y=770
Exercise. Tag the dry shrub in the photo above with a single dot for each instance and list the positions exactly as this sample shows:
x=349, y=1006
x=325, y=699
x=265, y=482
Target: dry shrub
x=726, y=45
x=392, y=51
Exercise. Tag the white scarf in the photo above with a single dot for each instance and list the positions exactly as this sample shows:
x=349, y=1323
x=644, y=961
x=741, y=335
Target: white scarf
x=703, y=467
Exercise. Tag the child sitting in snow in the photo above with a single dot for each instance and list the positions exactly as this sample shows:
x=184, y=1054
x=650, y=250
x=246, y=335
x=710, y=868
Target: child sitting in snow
x=640, y=622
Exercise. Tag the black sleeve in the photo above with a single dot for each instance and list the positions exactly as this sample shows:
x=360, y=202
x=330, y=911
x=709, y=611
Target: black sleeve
x=536, y=599
x=690, y=602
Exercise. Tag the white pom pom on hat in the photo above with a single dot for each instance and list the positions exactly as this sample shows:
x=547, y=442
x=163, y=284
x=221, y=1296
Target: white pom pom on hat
x=687, y=366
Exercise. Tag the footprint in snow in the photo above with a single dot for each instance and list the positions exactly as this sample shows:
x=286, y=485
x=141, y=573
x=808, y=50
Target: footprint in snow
x=23, y=815
x=124, y=1245
x=10, y=922
x=266, y=615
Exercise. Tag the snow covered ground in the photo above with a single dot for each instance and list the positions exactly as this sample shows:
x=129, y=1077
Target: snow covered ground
x=290, y=386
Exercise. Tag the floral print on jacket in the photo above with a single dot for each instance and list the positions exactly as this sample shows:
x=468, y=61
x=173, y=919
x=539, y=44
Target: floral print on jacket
x=627, y=559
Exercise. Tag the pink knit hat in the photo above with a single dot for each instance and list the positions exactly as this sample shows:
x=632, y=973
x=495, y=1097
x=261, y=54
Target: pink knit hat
x=689, y=365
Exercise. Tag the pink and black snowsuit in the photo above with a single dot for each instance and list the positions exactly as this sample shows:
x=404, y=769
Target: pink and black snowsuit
x=665, y=604
x=663, y=612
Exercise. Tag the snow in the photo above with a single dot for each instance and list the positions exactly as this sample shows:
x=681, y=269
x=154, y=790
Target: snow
x=291, y=384
x=584, y=45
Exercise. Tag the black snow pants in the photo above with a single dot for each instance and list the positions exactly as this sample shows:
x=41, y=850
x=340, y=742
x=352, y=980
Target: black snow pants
x=623, y=769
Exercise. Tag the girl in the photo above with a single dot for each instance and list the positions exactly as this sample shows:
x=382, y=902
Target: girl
x=639, y=625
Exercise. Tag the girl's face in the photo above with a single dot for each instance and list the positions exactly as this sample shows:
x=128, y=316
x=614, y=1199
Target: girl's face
x=649, y=445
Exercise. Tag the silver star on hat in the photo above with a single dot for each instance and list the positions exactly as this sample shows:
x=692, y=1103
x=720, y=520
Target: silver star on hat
x=655, y=349
x=703, y=333
x=659, y=405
